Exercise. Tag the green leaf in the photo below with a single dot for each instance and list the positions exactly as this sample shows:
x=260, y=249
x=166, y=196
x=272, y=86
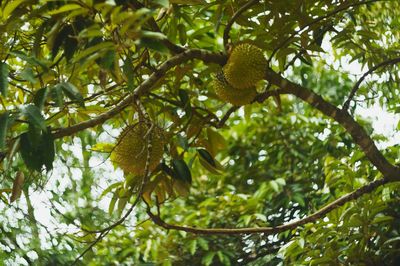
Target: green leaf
x=154, y=44
x=29, y=59
x=65, y=8
x=207, y=157
x=193, y=246
x=188, y=2
x=29, y=153
x=4, y=119
x=216, y=140
x=37, y=149
x=73, y=93
x=34, y=116
x=128, y=72
x=208, y=258
x=40, y=97
x=27, y=74
x=4, y=71
x=46, y=150
x=182, y=170
x=10, y=7
x=182, y=34
x=110, y=188
x=112, y=202
x=57, y=95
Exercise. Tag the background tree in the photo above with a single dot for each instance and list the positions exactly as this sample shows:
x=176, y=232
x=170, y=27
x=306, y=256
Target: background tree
x=296, y=177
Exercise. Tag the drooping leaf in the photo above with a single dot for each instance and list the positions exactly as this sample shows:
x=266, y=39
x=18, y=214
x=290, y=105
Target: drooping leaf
x=29, y=154
x=73, y=93
x=4, y=120
x=206, y=156
x=40, y=97
x=4, y=71
x=182, y=170
x=57, y=95
x=34, y=117
x=128, y=72
x=37, y=150
x=17, y=186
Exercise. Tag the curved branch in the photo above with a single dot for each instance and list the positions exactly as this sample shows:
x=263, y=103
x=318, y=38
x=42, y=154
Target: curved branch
x=360, y=137
x=370, y=71
x=277, y=229
x=228, y=27
x=143, y=88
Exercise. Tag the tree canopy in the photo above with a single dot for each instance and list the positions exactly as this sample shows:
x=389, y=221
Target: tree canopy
x=293, y=174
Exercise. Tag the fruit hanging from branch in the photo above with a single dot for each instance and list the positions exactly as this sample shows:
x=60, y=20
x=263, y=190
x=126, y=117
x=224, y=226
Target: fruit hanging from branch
x=245, y=67
x=230, y=94
x=133, y=144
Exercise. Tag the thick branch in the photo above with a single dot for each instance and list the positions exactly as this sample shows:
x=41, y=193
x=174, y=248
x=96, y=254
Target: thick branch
x=358, y=133
x=370, y=71
x=143, y=88
x=277, y=229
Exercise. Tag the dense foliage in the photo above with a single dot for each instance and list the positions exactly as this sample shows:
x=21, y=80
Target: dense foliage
x=297, y=177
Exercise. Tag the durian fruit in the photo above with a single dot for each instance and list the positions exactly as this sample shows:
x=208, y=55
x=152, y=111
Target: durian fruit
x=230, y=94
x=245, y=67
x=130, y=152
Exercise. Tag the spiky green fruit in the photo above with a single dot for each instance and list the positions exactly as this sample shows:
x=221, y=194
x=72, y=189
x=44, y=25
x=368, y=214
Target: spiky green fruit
x=130, y=152
x=245, y=67
x=229, y=94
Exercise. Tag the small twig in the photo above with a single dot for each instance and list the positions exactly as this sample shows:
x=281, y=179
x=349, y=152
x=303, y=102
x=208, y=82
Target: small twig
x=225, y=118
x=356, y=86
x=228, y=27
x=334, y=12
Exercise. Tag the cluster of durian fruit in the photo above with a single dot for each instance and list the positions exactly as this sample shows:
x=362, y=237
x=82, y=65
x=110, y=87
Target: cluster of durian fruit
x=236, y=83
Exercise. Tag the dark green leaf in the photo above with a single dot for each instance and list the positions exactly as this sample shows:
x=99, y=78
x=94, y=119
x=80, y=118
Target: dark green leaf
x=206, y=156
x=128, y=71
x=29, y=59
x=70, y=44
x=73, y=93
x=154, y=45
x=182, y=34
x=57, y=95
x=34, y=116
x=29, y=153
x=4, y=119
x=27, y=74
x=4, y=70
x=40, y=97
x=47, y=150
x=183, y=172
x=37, y=149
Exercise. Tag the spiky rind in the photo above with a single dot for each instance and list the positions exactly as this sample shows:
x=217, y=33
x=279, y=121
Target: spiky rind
x=130, y=152
x=234, y=96
x=245, y=67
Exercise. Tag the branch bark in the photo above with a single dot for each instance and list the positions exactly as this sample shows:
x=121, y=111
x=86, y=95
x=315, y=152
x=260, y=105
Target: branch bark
x=277, y=229
x=360, y=137
x=143, y=88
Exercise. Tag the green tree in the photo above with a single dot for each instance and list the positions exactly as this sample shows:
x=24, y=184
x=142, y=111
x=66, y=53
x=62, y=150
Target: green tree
x=298, y=176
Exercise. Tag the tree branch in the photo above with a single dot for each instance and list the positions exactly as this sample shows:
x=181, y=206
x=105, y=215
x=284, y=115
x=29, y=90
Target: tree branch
x=358, y=133
x=228, y=27
x=334, y=12
x=143, y=88
x=370, y=71
x=277, y=229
